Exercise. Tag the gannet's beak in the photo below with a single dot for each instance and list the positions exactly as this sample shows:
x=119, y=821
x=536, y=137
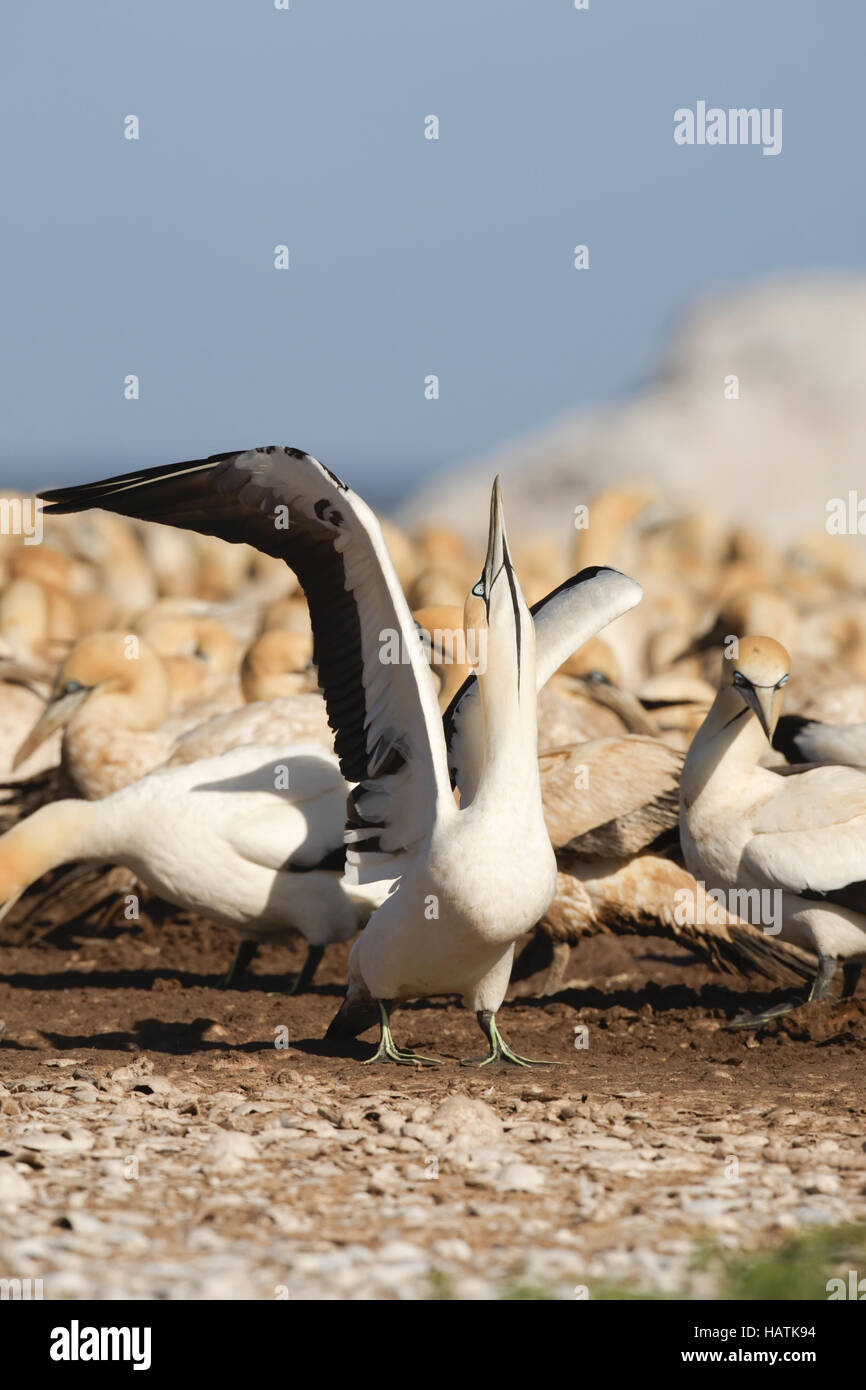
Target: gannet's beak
x=477, y=611
x=56, y=715
x=762, y=699
x=497, y=541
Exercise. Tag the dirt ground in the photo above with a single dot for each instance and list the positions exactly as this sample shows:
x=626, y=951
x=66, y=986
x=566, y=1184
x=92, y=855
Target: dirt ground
x=162, y=1138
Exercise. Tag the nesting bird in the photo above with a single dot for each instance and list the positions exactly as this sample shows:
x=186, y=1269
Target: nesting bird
x=111, y=699
x=795, y=844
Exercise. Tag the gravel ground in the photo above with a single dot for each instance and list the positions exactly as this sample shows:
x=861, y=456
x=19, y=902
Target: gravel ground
x=156, y=1143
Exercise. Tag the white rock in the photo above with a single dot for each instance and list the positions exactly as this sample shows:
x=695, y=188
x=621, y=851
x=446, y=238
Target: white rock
x=681, y=432
x=14, y=1187
x=453, y=1248
x=52, y=1141
x=389, y=1122
x=466, y=1116
x=520, y=1177
x=384, y=1178
x=825, y=1183
x=229, y=1151
x=401, y=1252
x=129, y=1076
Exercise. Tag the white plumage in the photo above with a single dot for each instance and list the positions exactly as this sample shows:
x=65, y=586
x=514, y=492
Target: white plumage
x=235, y=837
x=800, y=835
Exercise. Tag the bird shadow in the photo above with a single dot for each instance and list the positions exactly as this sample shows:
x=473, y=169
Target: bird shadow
x=340, y=1049
x=145, y=980
x=280, y=984
x=156, y=1035
x=663, y=998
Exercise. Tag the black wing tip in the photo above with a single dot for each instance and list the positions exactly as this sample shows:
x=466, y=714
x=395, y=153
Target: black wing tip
x=81, y=496
x=786, y=734
x=354, y=1016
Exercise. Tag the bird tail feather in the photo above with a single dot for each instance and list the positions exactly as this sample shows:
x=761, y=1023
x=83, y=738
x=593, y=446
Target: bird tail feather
x=356, y=1014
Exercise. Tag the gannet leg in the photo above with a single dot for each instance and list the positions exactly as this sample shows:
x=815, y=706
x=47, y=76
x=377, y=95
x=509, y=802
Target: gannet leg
x=304, y=977
x=777, y=1011
x=500, y=1053
x=387, y=1051
x=555, y=977
x=246, y=952
x=850, y=978
x=823, y=980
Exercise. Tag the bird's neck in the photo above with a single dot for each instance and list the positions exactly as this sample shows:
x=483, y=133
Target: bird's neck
x=55, y=834
x=509, y=710
x=725, y=751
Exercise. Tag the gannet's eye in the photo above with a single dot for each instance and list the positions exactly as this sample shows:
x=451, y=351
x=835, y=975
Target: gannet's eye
x=479, y=589
x=597, y=678
x=72, y=687
x=783, y=681
x=739, y=678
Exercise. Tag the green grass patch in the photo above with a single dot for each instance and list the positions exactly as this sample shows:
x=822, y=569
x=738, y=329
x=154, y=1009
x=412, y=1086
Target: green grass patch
x=800, y=1269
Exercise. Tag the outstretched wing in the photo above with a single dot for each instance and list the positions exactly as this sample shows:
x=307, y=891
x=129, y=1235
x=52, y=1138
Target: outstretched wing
x=568, y=616
x=378, y=688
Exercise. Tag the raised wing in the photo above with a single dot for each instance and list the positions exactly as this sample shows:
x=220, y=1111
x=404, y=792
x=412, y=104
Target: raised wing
x=377, y=685
x=572, y=613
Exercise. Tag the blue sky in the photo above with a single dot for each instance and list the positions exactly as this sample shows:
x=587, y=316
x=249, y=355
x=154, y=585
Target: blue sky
x=408, y=256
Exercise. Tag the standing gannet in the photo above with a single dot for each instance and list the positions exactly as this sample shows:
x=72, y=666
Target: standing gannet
x=482, y=874
x=795, y=842
x=490, y=868
x=244, y=838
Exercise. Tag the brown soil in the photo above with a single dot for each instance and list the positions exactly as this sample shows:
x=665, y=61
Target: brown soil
x=613, y=1165
x=656, y=1018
